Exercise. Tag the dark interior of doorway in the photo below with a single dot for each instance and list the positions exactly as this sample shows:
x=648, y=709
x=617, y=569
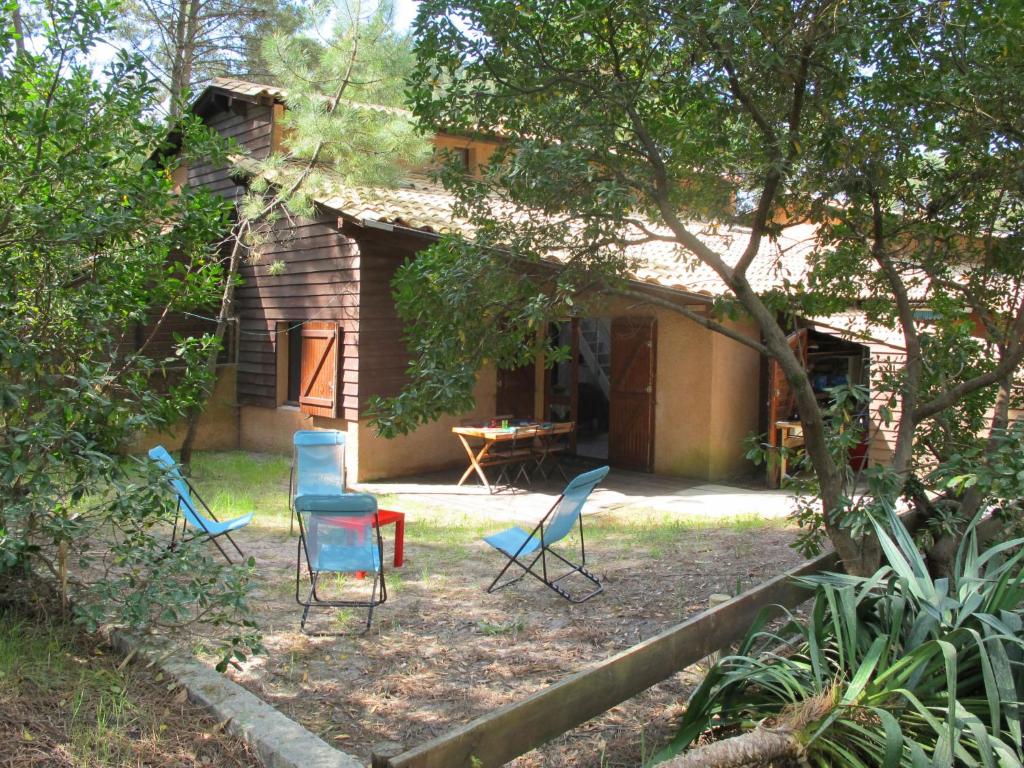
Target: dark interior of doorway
x=587, y=370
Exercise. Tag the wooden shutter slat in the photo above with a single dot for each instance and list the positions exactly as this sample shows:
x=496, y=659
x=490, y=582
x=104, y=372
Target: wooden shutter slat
x=318, y=388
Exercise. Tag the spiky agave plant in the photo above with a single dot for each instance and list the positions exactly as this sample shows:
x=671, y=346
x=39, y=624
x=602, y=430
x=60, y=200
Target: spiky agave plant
x=895, y=669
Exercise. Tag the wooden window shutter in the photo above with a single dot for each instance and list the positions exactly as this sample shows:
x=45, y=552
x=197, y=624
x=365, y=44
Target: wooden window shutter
x=318, y=385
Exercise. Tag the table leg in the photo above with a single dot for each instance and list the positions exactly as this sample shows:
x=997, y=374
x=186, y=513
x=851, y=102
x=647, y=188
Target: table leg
x=399, y=539
x=474, y=462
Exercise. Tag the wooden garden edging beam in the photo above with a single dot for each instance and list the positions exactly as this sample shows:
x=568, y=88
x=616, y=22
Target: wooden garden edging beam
x=497, y=737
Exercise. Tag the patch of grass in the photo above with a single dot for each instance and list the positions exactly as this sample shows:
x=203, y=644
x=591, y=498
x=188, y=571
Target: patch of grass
x=237, y=482
x=64, y=696
x=513, y=627
x=234, y=483
x=657, y=529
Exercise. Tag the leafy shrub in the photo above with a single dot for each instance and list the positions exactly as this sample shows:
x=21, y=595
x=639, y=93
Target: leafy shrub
x=895, y=669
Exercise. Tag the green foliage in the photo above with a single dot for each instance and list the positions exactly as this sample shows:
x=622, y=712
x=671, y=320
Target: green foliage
x=344, y=84
x=997, y=470
x=187, y=44
x=504, y=315
x=894, y=128
x=895, y=669
x=95, y=242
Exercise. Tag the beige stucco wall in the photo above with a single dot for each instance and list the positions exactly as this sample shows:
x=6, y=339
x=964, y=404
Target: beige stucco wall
x=480, y=150
x=707, y=390
x=367, y=456
x=735, y=393
x=431, y=447
x=270, y=430
x=218, y=424
x=683, y=412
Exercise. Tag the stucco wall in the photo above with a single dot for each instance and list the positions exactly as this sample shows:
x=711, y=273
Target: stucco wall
x=707, y=391
x=735, y=393
x=683, y=413
x=218, y=425
x=431, y=447
x=270, y=430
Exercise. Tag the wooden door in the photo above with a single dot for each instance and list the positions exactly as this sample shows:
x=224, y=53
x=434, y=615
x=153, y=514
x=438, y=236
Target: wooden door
x=515, y=392
x=781, y=400
x=318, y=387
x=631, y=404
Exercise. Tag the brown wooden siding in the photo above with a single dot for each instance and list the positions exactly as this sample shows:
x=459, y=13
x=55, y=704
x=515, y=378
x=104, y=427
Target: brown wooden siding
x=319, y=281
x=384, y=357
x=251, y=126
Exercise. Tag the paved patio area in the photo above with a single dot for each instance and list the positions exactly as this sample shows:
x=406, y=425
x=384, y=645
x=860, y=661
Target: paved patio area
x=622, y=490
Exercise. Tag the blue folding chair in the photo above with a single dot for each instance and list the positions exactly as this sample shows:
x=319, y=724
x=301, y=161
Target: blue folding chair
x=318, y=470
x=518, y=545
x=188, y=512
x=340, y=536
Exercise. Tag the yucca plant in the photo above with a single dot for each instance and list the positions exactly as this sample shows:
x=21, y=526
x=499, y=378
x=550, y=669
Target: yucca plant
x=895, y=669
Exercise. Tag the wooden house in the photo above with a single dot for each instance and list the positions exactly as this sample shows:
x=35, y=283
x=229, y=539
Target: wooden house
x=648, y=388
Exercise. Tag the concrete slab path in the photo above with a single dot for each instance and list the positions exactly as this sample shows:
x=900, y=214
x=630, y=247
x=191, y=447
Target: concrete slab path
x=623, y=490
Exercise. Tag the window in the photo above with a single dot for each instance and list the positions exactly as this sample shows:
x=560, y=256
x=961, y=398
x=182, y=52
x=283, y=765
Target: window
x=308, y=369
x=460, y=157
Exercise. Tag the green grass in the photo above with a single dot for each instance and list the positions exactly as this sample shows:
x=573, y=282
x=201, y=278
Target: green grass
x=236, y=482
x=66, y=694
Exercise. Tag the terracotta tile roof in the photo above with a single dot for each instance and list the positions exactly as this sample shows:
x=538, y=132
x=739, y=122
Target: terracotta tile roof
x=416, y=204
x=246, y=89
x=420, y=204
x=854, y=326
x=259, y=91
x=778, y=261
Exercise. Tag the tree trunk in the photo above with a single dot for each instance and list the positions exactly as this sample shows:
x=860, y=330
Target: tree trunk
x=178, y=58
x=227, y=304
x=942, y=554
x=19, y=28
x=756, y=748
x=860, y=556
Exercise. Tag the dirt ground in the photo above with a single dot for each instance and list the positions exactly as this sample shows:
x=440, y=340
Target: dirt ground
x=68, y=701
x=442, y=651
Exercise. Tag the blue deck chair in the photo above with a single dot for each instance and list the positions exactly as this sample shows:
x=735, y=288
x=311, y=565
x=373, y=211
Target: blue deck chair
x=339, y=536
x=188, y=506
x=318, y=470
x=525, y=549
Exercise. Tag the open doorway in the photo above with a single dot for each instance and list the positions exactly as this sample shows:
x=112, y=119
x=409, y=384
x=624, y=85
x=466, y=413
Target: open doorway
x=579, y=388
x=830, y=362
x=593, y=387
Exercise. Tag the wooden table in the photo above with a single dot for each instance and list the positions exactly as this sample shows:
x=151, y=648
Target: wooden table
x=790, y=435
x=483, y=455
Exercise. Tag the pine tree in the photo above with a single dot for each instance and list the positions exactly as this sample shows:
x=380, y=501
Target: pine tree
x=344, y=125
x=188, y=42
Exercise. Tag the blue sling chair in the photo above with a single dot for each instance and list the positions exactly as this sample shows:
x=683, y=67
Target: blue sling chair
x=318, y=469
x=527, y=550
x=339, y=535
x=188, y=506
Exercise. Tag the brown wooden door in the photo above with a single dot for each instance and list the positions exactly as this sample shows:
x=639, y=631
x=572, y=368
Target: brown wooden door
x=631, y=404
x=515, y=392
x=781, y=400
x=318, y=387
